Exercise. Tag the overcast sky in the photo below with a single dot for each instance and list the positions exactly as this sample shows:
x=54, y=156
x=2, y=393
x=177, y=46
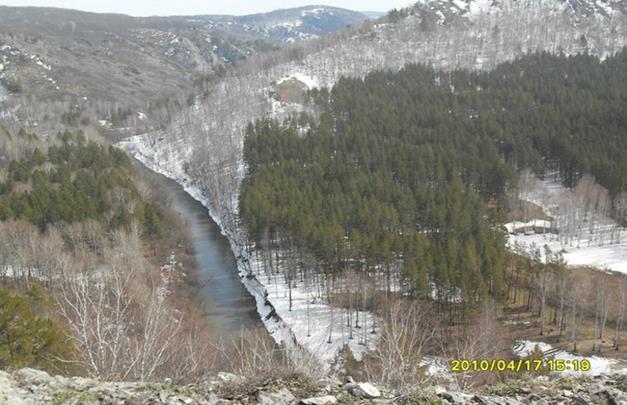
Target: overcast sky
x=191, y=7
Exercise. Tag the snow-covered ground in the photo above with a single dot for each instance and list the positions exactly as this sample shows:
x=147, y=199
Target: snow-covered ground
x=598, y=365
x=289, y=327
x=313, y=321
x=595, y=241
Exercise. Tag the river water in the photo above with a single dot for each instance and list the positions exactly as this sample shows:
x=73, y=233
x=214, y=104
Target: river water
x=226, y=303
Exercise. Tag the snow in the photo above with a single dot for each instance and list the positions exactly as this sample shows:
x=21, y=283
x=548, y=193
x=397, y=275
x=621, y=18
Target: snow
x=289, y=24
x=313, y=11
x=605, y=247
x=285, y=326
x=524, y=348
x=145, y=153
x=10, y=271
x=599, y=365
x=534, y=223
x=167, y=274
x=461, y=4
x=477, y=7
x=43, y=65
x=309, y=81
x=441, y=17
x=323, y=321
x=437, y=367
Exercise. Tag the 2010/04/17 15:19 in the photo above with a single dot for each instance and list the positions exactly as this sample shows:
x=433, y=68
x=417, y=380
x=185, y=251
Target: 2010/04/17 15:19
x=520, y=365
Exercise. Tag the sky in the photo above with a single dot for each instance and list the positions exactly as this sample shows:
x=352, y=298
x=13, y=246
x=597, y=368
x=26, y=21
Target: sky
x=195, y=7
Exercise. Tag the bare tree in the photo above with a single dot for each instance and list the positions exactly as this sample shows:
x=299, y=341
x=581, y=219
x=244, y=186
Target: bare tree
x=576, y=312
x=404, y=335
x=603, y=298
x=622, y=301
x=481, y=339
x=121, y=334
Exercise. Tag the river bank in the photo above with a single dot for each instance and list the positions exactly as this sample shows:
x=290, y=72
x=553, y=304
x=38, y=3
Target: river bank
x=210, y=266
x=274, y=324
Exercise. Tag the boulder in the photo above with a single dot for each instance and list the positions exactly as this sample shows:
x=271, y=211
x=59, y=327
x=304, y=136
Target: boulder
x=228, y=377
x=9, y=393
x=362, y=390
x=32, y=376
x=324, y=400
x=283, y=397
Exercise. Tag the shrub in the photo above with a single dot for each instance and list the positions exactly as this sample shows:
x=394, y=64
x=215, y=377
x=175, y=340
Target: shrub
x=28, y=340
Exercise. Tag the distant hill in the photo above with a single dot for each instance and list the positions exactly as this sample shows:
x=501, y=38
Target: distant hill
x=290, y=24
x=71, y=58
x=373, y=14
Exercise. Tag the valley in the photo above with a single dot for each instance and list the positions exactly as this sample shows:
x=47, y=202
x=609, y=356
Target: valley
x=227, y=305
x=313, y=195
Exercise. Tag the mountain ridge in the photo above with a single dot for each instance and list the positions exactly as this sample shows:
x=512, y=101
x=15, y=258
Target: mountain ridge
x=66, y=57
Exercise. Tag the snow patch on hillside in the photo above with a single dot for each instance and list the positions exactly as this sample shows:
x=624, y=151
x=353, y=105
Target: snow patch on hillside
x=313, y=321
x=596, y=241
x=599, y=365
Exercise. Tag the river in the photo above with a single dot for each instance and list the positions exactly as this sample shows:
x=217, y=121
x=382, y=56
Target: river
x=226, y=303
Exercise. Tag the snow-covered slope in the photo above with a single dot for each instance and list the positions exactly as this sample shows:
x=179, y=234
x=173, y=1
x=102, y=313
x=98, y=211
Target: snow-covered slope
x=598, y=364
x=297, y=23
x=582, y=232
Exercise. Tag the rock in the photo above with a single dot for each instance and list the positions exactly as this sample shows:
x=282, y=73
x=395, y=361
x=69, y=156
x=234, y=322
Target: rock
x=9, y=393
x=163, y=397
x=596, y=389
x=211, y=398
x=332, y=381
x=283, y=397
x=455, y=397
x=228, y=377
x=479, y=399
x=446, y=396
x=615, y=396
x=31, y=376
x=325, y=400
x=362, y=390
x=27, y=387
x=582, y=399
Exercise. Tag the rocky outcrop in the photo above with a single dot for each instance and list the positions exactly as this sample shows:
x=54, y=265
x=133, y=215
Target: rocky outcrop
x=28, y=386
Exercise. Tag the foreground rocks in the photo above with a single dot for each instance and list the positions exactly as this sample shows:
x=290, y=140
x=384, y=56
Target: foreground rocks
x=29, y=386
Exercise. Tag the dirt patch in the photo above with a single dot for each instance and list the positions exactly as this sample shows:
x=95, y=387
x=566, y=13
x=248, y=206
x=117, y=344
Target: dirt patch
x=291, y=91
x=524, y=211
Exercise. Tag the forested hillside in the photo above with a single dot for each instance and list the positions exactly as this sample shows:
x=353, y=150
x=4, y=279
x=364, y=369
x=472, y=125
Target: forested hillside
x=74, y=181
x=209, y=136
x=90, y=284
x=413, y=166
